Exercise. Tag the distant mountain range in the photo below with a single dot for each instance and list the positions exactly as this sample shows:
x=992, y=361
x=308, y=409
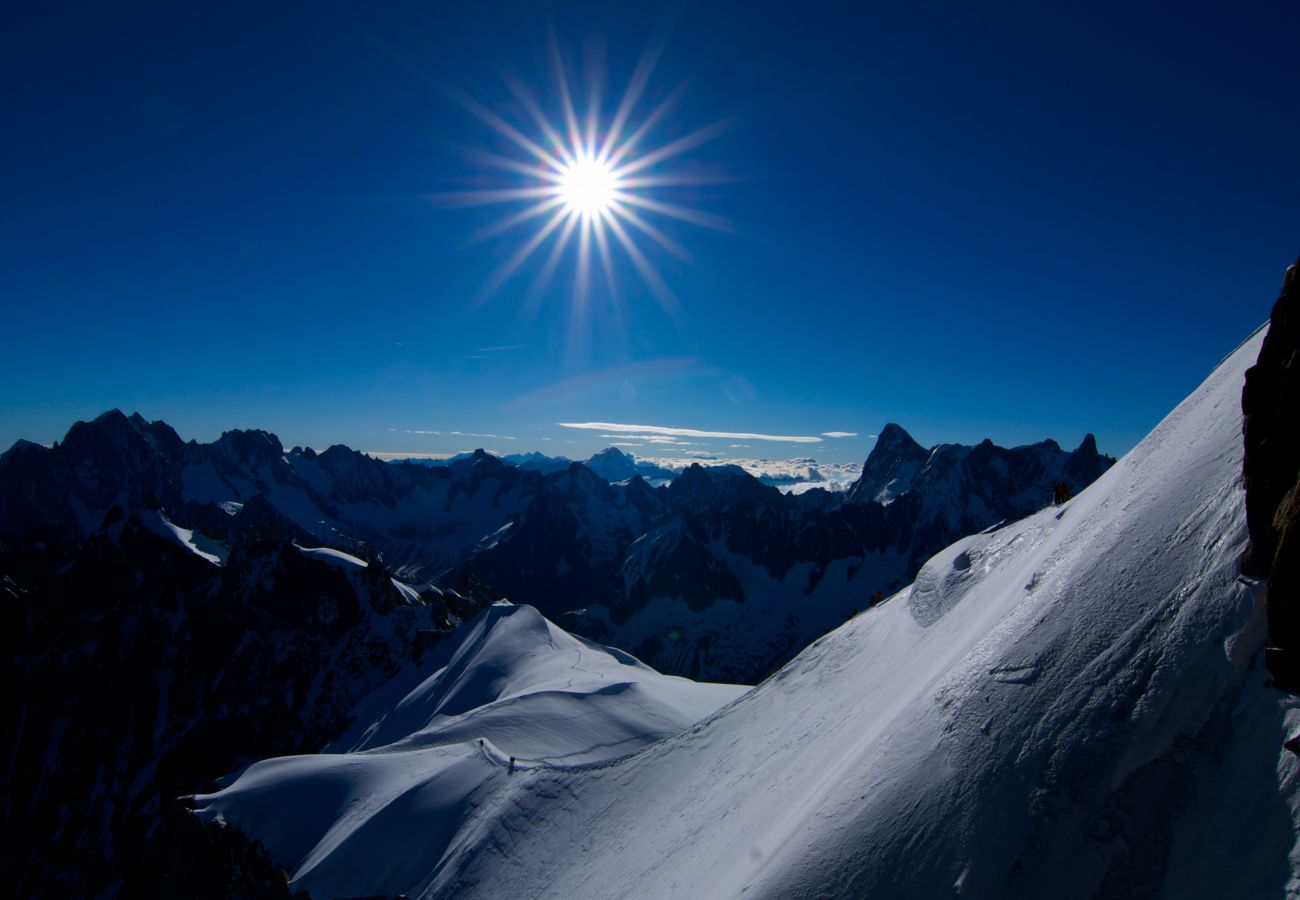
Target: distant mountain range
x=242, y=598
x=612, y=464
x=707, y=571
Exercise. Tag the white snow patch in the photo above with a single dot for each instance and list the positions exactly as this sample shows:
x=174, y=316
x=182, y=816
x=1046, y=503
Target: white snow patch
x=200, y=545
x=333, y=557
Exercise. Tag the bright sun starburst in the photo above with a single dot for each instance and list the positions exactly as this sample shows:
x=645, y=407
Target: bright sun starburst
x=588, y=186
x=589, y=183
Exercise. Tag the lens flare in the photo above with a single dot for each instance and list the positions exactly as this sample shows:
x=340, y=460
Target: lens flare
x=588, y=183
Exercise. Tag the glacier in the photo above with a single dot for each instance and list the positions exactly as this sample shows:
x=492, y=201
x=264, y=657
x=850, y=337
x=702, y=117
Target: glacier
x=1072, y=705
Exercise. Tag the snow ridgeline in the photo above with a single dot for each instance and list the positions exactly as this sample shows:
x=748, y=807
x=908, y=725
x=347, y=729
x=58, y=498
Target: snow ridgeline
x=1071, y=706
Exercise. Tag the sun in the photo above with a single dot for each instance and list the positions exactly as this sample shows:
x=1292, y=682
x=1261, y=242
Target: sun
x=590, y=182
x=588, y=187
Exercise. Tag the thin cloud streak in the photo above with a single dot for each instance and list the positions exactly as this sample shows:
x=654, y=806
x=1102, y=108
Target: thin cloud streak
x=499, y=437
x=690, y=432
x=839, y=434
x=647, y=438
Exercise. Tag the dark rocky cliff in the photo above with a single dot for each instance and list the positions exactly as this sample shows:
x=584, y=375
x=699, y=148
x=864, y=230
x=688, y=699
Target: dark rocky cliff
x=138, y=670
x=1271, y=404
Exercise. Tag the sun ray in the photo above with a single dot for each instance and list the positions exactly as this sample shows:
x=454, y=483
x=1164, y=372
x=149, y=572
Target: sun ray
x=543, y=279
x=679, y=179
x=502, y=275
x=646, y=125
x=636, y=86
x=582, y=267
x=634, y=219
x=506, y=164
x=606, y=260
x=676, y=148
x=674, y=211
x=595, y=79
x=534, y=110
x=504, y=225
x=488, y=198
x=667, y=299
x=508, y=131
x=566, y=98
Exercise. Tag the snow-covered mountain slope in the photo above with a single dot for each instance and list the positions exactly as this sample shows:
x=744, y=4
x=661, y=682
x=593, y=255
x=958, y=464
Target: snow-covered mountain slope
x=1070, y=706
x=538, y=693
x=508, y=694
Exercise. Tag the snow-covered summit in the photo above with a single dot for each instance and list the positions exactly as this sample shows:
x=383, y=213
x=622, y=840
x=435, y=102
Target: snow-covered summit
x=613, y=464
x=515, y=678
x=509, y=693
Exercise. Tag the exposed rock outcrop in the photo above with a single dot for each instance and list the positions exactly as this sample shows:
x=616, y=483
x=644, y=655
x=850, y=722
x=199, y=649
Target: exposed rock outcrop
x=1271, y=404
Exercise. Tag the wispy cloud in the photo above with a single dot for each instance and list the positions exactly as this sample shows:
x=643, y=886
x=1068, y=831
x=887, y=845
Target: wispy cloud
x=689, y=432
x=503, y=348
x=387, y=455
x=498, y=437
x=839, y=434
x=648, y=439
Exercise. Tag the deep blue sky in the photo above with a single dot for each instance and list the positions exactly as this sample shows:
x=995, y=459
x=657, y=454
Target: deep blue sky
x=976, y=220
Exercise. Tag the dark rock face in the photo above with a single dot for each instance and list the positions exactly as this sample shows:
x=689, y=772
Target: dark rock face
x=895, y=459
x=138, y=671
x=422, y=519
x=1270, y=402
x=965, y=489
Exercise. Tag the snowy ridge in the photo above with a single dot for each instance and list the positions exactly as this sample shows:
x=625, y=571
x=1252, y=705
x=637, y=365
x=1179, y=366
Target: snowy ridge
x=200, y=545
x=332, y=557
x=508, y=693
x=1071, y=706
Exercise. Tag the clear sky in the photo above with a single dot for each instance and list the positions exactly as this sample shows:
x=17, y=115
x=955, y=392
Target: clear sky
x=1005, y=220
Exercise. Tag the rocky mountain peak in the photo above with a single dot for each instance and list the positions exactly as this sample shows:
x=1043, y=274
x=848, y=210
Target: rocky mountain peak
x=890, y=466
x=251, y=447
x=115, y=433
